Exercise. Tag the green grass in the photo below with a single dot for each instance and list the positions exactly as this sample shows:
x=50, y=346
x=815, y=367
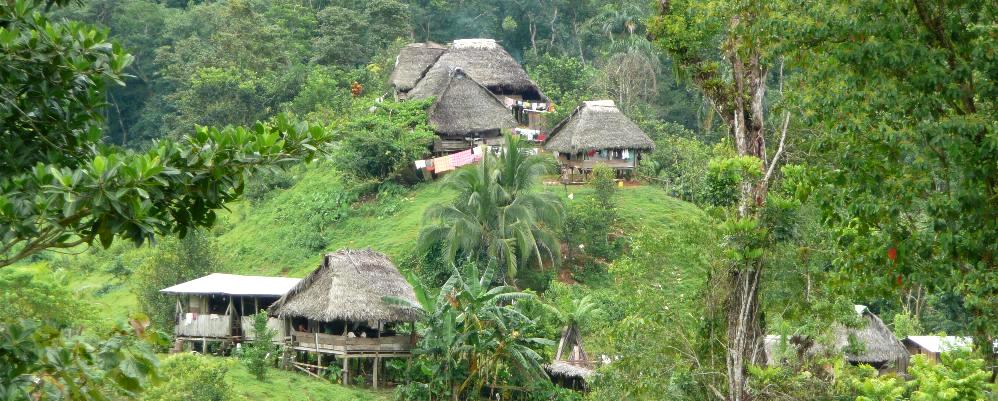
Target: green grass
x=283, y=385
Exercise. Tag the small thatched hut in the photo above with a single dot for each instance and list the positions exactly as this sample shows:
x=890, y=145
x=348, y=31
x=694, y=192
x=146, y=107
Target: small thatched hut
x=341, y=309
x=571, y=366
x=485, y=61
x=464, y=113
x=872, y=344
x=412, y=63
x=597, y=132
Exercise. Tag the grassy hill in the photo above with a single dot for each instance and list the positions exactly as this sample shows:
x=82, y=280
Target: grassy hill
x=285, y=232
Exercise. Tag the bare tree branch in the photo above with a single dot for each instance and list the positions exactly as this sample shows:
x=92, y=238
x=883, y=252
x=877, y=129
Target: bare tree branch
x=779, y=150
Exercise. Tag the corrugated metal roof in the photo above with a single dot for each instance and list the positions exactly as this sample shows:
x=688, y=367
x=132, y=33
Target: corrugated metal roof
x=939, y=344
x=233, y=284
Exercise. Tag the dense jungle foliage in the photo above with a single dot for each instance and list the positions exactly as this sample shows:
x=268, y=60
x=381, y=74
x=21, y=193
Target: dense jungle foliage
x=809, y=157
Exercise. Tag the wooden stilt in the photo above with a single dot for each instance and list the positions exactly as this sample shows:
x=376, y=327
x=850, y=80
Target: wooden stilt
x=377, y=363
x=204, y=345
x=346, y=371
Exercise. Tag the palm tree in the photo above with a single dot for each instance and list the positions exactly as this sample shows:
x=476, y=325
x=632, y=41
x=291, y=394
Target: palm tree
x=497, y=217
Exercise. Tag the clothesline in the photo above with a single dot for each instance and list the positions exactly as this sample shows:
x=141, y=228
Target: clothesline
x=451, y=161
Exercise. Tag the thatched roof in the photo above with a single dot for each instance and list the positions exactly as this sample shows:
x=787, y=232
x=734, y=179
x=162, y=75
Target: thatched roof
x=878, y=340
x=350, y=285
x=879, y=344
x=464, y=106
x=570, y=359
x=597, y=124
x=485, y=61
x=568, y=369
x=412, y=63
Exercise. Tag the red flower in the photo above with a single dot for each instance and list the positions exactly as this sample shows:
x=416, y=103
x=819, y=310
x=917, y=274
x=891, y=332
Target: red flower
x=899, y=280
x=892, y=253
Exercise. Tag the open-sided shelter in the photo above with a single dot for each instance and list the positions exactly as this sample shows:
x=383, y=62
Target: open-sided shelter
x=571, y=366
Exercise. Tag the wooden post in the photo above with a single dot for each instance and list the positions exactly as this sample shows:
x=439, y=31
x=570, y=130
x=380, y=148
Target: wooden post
x=377, y=363
x=204, y=345
x=256, y=305
x=346, y=371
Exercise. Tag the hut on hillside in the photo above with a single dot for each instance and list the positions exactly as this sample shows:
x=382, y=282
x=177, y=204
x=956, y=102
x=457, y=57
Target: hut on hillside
x=571, y=366
x=340, y=310
x=411, y=64
x=464, y=113
x=872, y=344
x=219, y=307
x=934, y=346
x=597, y=132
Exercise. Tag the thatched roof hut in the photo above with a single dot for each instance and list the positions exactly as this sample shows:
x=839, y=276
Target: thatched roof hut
x=597, y=124
x=412, y=63
x=350, y=285
x=485, y=61
x=571, y=366
x=464, y=106
x=873, y=344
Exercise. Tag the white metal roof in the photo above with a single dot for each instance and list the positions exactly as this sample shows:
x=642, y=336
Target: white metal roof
x=233, y=284
x=939, y=344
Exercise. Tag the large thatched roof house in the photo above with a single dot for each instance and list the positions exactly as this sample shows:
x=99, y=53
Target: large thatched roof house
x=872, y=344
x=485, y=61
x=412, y=63
x=597, y=132
x=342, y=310
x=465, y=113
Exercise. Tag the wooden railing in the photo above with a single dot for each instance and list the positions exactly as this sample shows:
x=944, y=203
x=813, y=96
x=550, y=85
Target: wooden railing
x=340, y=343
x=588, y=164
x=205, y=326
x=275, y=324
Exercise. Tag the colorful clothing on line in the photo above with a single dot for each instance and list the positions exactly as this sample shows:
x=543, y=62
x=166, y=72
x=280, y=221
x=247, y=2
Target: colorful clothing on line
x=442, y=164
x=461, y=158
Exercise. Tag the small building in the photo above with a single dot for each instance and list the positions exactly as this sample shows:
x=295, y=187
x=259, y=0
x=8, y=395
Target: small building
x=872, y=344
x=219, y=307
x=411, y=64
x=464, y=113
x=933, y=346
x=597, y=132
x=571, y=367
x=340, y=311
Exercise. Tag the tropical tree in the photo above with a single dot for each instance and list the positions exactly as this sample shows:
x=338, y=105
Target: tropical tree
x=477, y=336
x=728, y=50
x=497, y=217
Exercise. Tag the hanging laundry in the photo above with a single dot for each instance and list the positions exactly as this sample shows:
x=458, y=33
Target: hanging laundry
x=442, y=164
x=509, y=102
x=626, y=155
x=462, y=158
x=591, y=153
x=420, y=164
x=542, y=137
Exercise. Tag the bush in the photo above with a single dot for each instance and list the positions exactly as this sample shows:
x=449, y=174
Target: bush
x=261, y=352
x=590, y=220
x=384, y=140
x=191, y=377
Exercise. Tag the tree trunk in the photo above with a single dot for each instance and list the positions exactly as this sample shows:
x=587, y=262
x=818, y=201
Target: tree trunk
x=744, y=320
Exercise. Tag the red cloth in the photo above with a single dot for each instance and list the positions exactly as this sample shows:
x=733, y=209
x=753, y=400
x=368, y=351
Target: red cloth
x=591, y=153
x=542, y=137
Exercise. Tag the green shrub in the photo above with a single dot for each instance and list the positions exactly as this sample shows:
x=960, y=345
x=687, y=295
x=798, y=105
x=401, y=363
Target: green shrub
x=191, y=377
x=957, y=377
x=261, y=353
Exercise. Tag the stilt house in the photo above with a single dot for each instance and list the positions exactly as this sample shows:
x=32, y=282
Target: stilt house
x=425, y=69
x=219, y=307
x=339, y=311
x=464, y=113
x=597, y=132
